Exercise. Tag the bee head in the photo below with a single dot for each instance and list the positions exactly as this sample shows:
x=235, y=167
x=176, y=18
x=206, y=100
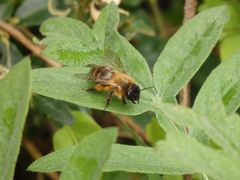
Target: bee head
x=133, y=93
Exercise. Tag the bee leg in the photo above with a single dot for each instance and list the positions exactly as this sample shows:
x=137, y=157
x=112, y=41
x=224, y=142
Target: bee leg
x=90, y=89
x=91, y=65
x=108, y=99
x=123, y=99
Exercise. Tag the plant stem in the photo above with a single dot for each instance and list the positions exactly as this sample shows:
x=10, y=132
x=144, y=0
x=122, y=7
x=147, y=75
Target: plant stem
x=36, y=50
x=189, y=9
x=158, y=17
x=189, y=12
x=133, y=125
x=36, y=154
x=138, y=139
x=72, y=135
x=8, y=54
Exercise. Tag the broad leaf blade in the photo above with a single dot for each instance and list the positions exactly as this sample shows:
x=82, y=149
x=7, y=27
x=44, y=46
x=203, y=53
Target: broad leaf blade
x=63, y=138
x=52, y=162
x=223, y=84
x=62, y=84
x=67, y=40
x=32, y=16
x=180, y=148
x=143, y=160
x=186, y=51
x=106, y=23
x=166, y=123
x=6, y=9
x=54, y=109
x=84, y=125
x=123, y=157
x=215, y=126
x=87, y=161
x=233, y=134
x=154, y=131
x=14, y=98
x=72, y=134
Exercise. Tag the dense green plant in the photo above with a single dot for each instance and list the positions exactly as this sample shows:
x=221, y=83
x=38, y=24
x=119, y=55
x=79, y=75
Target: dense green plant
x=211, y=147
x=181, y=58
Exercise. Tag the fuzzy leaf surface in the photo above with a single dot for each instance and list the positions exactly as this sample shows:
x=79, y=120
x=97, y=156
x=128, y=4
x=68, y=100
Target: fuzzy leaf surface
x=187, y=50
x=14, y=98
x=123, y=157
x=62, y=84
x=86, y=162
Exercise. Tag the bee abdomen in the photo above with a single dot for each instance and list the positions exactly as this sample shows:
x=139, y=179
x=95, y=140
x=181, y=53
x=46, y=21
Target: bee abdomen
x=101, y=73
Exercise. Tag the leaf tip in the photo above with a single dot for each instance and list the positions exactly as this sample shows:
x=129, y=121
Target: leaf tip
x=224, y=13
x=31, y=167
x=112, y=131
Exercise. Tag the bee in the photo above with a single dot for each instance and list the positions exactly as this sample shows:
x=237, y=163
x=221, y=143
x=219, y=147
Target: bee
x=113, y=79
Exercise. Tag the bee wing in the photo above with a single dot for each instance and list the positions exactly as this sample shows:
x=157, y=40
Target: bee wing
x=108, y=57
x=113, y=59
x=83, y=76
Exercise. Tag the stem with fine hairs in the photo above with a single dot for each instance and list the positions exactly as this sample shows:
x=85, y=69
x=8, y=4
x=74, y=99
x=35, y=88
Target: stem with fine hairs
x=189, y=12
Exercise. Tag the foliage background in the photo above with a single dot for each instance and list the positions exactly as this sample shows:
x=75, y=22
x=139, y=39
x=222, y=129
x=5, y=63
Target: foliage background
x=148, y=27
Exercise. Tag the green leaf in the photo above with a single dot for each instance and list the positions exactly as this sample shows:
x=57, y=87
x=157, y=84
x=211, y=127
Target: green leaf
x=54, y=109
x=14, y=98
x=142, y=159
x=63, y=138
x=68, y=41
x=83, y=126
x=229, y=45
x=86, y=162
x=186, y=51
x=181, y=148
x=52, y=162
x=33, y=12
x=106, y=23
x=154, y=131
x=65, y=86
x=123, y=157
x=223, y=84
x=221, y=130
x=120, y=175
x=166, y=123
x=73, y=43
x=216, y=126
x=16, y=54
x=6, y=9
x=233, y=7
x=233, y=132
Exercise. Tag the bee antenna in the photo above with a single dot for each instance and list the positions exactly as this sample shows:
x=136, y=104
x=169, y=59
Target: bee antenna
x=146, y=88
